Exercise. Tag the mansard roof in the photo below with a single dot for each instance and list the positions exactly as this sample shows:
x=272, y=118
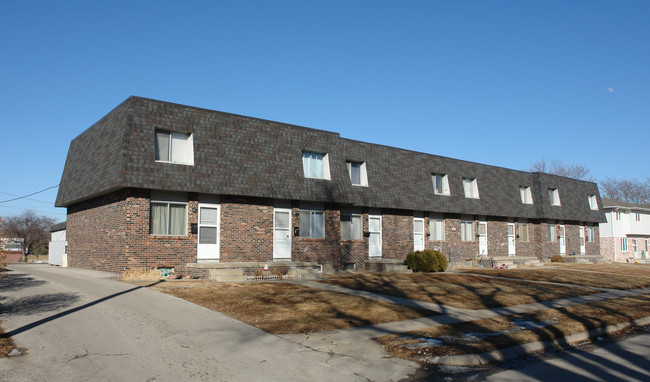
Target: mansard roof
x=238, y=155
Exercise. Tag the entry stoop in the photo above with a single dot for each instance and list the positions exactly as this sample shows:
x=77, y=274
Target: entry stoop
x=227, y=275
x=386, y=265
x=510, y=261
x=238, y=271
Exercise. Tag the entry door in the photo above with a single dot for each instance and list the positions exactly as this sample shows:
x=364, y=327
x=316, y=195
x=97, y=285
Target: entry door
x=511, y=239
x=561, y=239
x=208, y=243
x=282, y=234
x=374, y=241
x=482, y=239
x=418, y=234
x=582, y=240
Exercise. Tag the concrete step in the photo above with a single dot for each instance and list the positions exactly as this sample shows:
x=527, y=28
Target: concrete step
x=229, y=278
x=397, y=268
x=226, y=272
x=309, y=274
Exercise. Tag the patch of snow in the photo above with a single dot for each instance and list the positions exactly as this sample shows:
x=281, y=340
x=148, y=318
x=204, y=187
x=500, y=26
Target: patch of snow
x=15, y=353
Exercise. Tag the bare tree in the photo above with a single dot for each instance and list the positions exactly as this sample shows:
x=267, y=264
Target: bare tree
x=29, y=227
x=558, y=167
x=626, y=190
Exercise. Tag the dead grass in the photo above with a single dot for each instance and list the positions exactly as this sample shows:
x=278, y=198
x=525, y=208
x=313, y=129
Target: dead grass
x=642, y=270
x=459, y=290
x=282, y=308
x=497, y=333
x=568, y=275
x=141, y=274
x=6, y=344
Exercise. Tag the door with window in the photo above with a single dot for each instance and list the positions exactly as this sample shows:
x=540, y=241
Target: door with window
x=582, y=240
x=482, y=238
x=282, y=234
x=511, y=239
x=208, y=243
x=374, y=241
x=418, y=234
x=561, y=232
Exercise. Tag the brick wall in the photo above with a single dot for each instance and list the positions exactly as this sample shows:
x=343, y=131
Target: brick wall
x=397, y=233
x=246, y=229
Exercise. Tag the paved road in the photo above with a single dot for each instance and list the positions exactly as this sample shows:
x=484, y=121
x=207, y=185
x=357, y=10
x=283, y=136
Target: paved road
x=79, y=325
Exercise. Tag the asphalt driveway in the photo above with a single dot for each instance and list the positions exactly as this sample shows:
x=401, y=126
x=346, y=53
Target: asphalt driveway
x=75, y=324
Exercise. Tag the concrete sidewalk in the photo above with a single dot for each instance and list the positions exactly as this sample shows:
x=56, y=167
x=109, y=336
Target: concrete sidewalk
x=348, y=341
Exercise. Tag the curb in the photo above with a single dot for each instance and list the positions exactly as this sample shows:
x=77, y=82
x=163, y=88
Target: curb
x=531, y=347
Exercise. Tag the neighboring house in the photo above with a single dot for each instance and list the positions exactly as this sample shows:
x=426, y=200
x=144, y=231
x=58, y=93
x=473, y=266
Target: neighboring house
x=160, y=184
x=626, y=234
x=57, y=247
x=13, y=249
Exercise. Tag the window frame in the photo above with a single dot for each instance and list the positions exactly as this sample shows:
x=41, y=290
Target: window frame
x=617, y=215
x=470, y=187
x=168, y=227
x=593, y=202
x=350, y=231
x=522, y=231
x=624, y=244
x=436, y=228
x=172, y=137
x=589, y=234
x=307, y=166
x=552, y=232
x=637, y=216
x=363, y=174
x=444, y=184
x=554, y=196
x=464, y=224
x=526, y=195
x=311, y=211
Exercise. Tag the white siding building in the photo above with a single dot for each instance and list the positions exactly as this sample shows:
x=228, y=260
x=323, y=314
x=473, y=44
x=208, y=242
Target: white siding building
x=57, y=248
x=625, y=237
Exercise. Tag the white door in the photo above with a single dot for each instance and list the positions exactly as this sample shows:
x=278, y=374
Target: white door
x=208, y=243
x=374, y=241
x=511, y=239
x=418, y=234
x=282, y=234
x=482, y=239
x=582, y=240
x=561, y=239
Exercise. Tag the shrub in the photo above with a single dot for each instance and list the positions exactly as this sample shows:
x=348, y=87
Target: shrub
x=426, y=261
x=141, y=274
x=557, y=259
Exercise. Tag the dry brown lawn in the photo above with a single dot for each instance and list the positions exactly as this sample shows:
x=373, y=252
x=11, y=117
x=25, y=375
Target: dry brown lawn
x=6, y=344
x=563, y=274
x=282, y=308
x=497, y=333
x=459, y=290
x=642, y=270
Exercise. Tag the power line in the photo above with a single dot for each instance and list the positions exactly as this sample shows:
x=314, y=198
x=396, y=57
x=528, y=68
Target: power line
x=33, y=193
x=33, y=200
x=34, y=209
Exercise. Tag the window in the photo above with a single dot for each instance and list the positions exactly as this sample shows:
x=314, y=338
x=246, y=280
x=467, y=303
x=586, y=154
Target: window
x=358, y=174
x=617, y=214
x=624, y=244
x=312, y=223
x=526, y=195
x=552, y=232
x=471, y=188
x=522, y=231
x=174, y=147
x=168, y=218
x=593, y=202
x=467, y=230
x=634, y=245
x=351, y=227
x=440, y=184
x=589, y=233
x=637, y=216
x=437, y=228
x=554, y=196
x=315, y=165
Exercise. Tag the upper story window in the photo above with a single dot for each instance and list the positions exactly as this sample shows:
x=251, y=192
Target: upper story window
x=437, y=227
x=526, y=195
x=174, y=147
x=315, y=165
x=440, y=184
x=471, y=188
x=554, y=196
x=593, y=202
x=358, y=174
x=168, y=215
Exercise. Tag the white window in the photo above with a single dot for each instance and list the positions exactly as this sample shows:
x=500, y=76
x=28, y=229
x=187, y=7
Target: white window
x=617, y=214
x=526, y=195
x=522, y=231
x=637, y=216
x=168, y=218
x=589, y=233
x=554, y=196
x=174, y=147
x=634, y=244
x=315, y=165
x=351, y=226
x=467, y=230
x=440, y=184
x=312, y=223
x=358, y=174
x=593, y=202
x=471, y=188
x=624, y=244
x=552, y=232
x=437, y=228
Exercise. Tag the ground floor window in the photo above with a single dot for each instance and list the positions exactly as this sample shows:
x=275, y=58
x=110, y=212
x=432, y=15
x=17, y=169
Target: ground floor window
x=467, y=230
x=589, y=233
x=312, y=224
x=437, y=228
x=624, y=244
x=522, y=229
x=168, y=218
x=552, y=232
x=351, y=227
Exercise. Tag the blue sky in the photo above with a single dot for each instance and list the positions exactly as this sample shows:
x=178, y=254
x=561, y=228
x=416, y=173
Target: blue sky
x=504, y=83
